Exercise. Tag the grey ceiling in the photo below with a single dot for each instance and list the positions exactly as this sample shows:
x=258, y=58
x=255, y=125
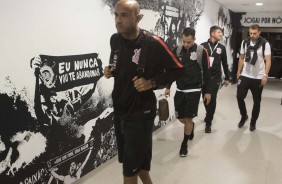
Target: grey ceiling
x=249, y=5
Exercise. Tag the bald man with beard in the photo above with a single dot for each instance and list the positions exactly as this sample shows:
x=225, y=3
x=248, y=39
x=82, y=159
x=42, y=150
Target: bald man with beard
x=134, y=101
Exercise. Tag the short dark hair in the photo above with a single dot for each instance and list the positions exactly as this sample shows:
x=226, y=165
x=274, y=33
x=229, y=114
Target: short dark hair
x=214, y=28
x=189, y=31
x=255, y=26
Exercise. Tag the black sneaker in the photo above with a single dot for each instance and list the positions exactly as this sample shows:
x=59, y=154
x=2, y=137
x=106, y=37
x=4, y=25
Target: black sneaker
x=243, y=121
x=183, y=150
x=208, y=129
x=252, y=126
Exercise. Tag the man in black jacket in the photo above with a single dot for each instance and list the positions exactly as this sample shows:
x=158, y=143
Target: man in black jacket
x=188, y=92
x=139, y=62
x=218, y=57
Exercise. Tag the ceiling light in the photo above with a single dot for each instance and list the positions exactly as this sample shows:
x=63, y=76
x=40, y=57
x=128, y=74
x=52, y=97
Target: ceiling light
x=259, y=4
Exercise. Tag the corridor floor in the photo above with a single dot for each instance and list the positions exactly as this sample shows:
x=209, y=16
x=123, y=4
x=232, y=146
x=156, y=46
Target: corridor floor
x=228, y=155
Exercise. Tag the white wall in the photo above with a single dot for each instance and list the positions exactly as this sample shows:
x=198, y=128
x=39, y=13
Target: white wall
x=210, y=18
x=33, y=27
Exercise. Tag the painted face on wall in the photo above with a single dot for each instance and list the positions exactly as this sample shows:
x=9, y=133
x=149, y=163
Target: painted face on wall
x=188, y=41
x=126, y=18
x=217, y=34
x=254, y=34
x=72, y=169
x=47, y=76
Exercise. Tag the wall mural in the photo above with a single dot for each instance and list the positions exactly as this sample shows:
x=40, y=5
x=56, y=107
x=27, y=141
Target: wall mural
x=63, y=132
x=63, y=129
x=174, y=16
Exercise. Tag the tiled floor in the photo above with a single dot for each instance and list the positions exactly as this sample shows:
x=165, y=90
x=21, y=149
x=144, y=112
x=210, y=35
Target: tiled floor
x=226, y=156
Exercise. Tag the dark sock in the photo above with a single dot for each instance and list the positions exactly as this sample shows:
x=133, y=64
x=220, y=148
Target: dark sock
x=185, y=139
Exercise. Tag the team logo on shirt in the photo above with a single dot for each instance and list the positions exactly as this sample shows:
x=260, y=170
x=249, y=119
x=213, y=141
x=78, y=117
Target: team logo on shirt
x=136, y=56
x=218, y=50
x=193, y=56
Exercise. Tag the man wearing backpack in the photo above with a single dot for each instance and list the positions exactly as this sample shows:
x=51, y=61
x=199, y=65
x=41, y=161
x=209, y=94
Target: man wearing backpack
x=140, y=62
x=218, y=57
x=253, y=67
x=195, y=60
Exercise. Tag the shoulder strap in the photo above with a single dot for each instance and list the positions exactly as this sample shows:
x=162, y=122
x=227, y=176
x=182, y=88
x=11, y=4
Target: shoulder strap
x=115, y=43
x=115, y=48
x=199, y=55
x=143, y=54
x=199, y=52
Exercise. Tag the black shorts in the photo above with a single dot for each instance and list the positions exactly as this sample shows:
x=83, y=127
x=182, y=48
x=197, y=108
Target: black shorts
x=134, y=141
x=186, y=104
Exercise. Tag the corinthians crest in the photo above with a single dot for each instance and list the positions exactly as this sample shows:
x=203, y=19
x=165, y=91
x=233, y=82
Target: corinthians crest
x=193, y=56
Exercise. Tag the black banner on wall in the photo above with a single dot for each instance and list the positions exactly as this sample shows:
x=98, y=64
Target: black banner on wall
x=65, y=72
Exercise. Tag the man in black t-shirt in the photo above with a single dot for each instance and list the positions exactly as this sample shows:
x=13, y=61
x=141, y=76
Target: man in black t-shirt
x=134, y=81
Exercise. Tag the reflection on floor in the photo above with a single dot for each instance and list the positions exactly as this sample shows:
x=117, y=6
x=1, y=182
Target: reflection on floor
x=228, y=155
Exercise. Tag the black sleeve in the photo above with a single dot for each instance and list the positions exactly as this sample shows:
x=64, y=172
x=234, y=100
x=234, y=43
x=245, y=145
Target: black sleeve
x=224, y=63
x=113, y=38
x=172, y=67
x=111, y=45
x=206, y=71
